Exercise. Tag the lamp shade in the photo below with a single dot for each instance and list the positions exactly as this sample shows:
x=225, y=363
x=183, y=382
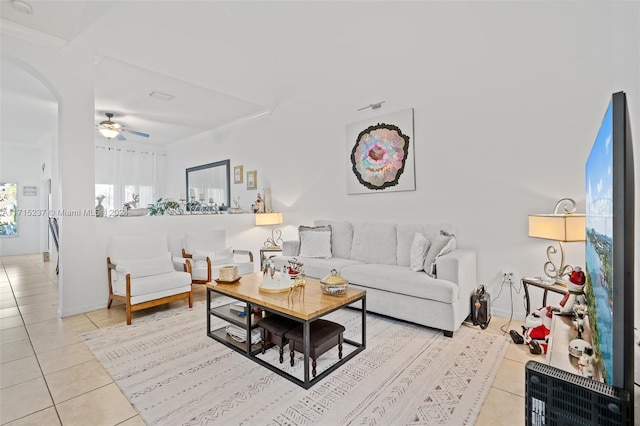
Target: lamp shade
x=558, y=227
x=268, y=218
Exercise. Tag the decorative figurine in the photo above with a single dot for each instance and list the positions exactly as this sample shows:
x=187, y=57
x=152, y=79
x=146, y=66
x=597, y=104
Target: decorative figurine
x=579, y=324
x=258, y=206
x=537, y=326
x=100, y=207
x=586, y=363
x=575, y=286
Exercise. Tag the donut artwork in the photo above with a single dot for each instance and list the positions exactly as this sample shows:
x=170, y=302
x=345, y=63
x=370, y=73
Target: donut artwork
x=381, y=154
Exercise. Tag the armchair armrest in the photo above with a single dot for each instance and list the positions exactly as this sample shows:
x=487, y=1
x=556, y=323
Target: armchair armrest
x=184, y=261
x=459, y=266
x=244, y=253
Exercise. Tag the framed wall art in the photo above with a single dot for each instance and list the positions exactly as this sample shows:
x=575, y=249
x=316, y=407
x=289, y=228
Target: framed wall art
x=380, y=155
x=8, y=209
x=252, y=179
x=237, y=174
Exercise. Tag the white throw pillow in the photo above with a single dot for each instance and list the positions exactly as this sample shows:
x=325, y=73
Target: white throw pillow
x=441, y=245
x=145, y=267
x=218, y=257
x=418, y=252
x=315, y=241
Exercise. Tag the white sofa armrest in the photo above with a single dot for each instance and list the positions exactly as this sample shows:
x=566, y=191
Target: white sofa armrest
x=290, y=248
x=459, y=266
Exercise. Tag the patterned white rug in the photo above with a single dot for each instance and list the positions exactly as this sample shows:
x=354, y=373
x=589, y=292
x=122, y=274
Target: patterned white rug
x=174, y=374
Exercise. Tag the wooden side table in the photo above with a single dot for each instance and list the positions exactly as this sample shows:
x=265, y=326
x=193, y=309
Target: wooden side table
x=266, y=253
x=555, y=288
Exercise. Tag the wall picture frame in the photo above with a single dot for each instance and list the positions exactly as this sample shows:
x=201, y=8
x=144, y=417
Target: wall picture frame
x=252, y=179
x=380, y=154
x=238, y=174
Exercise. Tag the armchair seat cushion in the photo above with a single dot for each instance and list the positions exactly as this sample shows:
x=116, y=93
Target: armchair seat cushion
x=154, y=283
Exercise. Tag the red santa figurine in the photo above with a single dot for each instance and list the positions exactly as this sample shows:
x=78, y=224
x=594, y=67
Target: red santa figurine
x=537, y=327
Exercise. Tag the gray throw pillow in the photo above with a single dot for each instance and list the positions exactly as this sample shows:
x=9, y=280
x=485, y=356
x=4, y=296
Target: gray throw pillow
x=442, y=244
x=315, y=241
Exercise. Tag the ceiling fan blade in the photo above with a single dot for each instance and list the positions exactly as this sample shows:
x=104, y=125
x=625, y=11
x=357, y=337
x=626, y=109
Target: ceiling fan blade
x=121, y=137
x=144, y=135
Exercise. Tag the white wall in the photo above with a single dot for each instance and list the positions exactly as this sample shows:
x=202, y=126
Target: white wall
x=17, y=166
x=508, y=97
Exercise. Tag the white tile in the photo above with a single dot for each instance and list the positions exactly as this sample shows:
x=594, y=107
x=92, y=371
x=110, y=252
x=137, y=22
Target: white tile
x=19, y=371
x=104, y=406
x=77, y=380
x=24, y=399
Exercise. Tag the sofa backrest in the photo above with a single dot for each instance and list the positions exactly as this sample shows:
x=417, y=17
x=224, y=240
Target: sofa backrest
x=341, y=237
x=375, y=243
x=384, y=243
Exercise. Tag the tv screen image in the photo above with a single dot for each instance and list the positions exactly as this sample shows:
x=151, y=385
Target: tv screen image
x=599, y=243
x=610, y=239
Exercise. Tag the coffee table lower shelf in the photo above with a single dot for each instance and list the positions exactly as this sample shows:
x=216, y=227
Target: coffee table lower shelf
x=254, y=351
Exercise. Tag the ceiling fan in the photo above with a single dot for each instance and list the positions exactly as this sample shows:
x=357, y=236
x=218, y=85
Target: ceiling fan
x=110, y=129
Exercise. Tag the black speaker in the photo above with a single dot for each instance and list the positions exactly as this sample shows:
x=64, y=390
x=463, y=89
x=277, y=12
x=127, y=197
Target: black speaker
x=557, y=397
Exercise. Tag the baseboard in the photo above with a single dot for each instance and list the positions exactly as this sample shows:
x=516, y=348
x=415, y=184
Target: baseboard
x=80, y=310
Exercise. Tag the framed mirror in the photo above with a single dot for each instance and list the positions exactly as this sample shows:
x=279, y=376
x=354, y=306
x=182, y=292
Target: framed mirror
x=208, y=184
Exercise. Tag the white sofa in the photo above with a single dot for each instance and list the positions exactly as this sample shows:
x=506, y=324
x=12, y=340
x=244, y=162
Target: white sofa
x=376, y=257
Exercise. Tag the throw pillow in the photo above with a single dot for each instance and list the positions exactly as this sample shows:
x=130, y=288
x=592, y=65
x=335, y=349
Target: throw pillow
x=218, y=257
x=315, y=241
x=441, y=245
x=418, y=252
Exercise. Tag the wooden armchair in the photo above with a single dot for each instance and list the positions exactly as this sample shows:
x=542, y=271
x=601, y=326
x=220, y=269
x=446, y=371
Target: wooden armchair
x=208, y=251
x=142, y=274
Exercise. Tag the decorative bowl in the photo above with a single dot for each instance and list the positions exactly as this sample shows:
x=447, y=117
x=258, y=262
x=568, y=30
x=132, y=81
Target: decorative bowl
x=333, y=284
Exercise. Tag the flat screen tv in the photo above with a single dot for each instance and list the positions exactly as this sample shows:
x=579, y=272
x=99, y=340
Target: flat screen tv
x=609, y=256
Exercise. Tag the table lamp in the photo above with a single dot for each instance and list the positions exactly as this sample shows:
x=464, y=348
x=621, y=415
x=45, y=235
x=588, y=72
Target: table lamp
x=273, y=219
x=563, y=227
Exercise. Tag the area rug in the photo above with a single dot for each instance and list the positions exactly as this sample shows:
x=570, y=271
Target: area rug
x=174, y=374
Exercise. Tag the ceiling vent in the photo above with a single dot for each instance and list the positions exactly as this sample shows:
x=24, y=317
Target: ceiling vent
x=161, y=96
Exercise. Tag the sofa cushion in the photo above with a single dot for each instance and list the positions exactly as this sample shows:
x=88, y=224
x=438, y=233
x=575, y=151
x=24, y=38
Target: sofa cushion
x=374, y=243
x=315, y=241
x=401, y=280
x=441, y=245
x=419, y=248
x=341, y=237
x=144, y=267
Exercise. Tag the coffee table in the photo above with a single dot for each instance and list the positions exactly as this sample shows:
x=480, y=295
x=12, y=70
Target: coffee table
x=305, y=310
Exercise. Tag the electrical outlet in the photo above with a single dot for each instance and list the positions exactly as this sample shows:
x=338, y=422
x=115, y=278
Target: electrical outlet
x=507, y=276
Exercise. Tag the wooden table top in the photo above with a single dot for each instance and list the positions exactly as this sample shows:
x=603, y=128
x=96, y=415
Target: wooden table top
x=314, y=304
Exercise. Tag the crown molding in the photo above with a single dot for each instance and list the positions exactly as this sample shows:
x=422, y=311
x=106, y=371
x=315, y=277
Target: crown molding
x=33, y=36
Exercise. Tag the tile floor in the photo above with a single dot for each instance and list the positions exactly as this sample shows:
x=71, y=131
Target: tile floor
x=48, y=376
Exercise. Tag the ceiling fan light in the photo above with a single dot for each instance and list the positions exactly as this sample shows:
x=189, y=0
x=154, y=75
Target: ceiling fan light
x=108, y=133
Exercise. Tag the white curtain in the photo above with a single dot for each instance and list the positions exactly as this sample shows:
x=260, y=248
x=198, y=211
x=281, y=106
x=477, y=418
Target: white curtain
x=123, y=172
